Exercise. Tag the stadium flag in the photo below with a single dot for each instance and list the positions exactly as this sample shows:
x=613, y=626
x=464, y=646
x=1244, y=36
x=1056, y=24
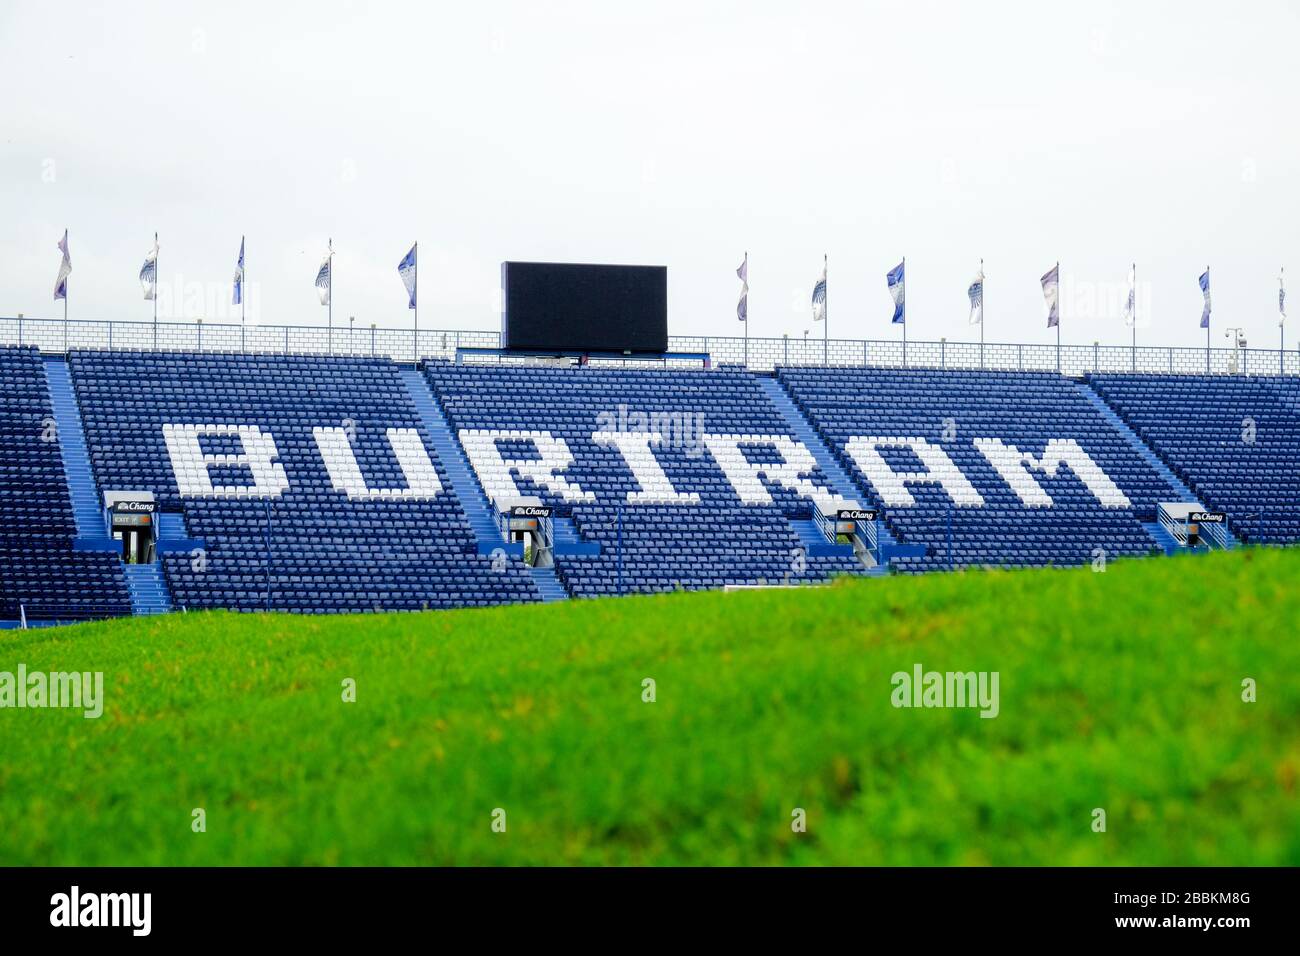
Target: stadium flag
x=406, y=269
x=1051, y=293
x=1281, y=295
x=65, y=270
x=239, y=276
x=742, y=307
x=898, y=289
x=819, y=297
x=1130, y=306
x=149, y=272
x=976, y=293
x=1205, y=290
x=324, y=277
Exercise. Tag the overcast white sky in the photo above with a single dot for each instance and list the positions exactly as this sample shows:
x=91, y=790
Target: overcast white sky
x=671, y=133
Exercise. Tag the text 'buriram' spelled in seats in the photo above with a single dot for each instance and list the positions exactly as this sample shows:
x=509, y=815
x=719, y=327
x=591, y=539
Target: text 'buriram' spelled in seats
x=552, y=457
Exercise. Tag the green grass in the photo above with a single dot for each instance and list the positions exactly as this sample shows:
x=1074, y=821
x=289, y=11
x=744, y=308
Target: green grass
x=1119, y=690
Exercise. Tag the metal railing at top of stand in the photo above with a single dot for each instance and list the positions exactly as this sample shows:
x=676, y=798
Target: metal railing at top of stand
x=54, y=336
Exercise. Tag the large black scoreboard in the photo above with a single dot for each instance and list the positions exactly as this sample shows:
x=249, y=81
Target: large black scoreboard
x=575, y=307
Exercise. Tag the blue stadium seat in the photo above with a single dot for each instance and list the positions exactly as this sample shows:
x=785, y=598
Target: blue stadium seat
x=39, y=570
x=361, y=514
x=312, y=548
x=1234, y=440
x=950, y=409
x=716, y=542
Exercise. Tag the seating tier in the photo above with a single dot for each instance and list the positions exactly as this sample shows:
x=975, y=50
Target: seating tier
x=40, y=573
x=312, y=548
x=713, y=541
x=994, y=526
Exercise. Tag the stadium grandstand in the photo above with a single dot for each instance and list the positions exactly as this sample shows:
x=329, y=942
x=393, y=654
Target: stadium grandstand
x=297, y=474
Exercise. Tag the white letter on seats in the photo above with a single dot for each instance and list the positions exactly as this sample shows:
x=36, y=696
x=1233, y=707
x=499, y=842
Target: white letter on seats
x=493, y=471
x=1010, y=462
x=655, y=488
x=797, y=462
x=190, y=464
x=892, y=485
x=345, y=474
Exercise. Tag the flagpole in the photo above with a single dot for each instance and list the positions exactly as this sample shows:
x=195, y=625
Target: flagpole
x=1282, y=321
x=415, y=359
x=330, y=304
x=745, y=283
x=1282, y=324
x=1058, y=316
x=826, y=313
x=1134, y=317
x=1207, y=326
x=156, y=273
x=65, y=305
x=983, y=311
x=243, y=297
x=904, y=311
x=65, y=302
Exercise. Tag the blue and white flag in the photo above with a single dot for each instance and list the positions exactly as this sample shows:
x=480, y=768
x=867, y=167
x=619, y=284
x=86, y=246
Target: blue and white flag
x=239, y=275
x=898, y=289
x=1051, y=294
x=976, y=294
x=1130, y=306
x=1281, y=295
x=149, y=272
x=742, y=307
x=1205, y=290
x=324, y=277
x=407, y=270
x=819, y=297
x=65, y=270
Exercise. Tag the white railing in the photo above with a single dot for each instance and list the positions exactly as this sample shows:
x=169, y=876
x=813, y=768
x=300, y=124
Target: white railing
x=1176, y=527
x=759, y=354
x=1213, y=533
x=864, y=531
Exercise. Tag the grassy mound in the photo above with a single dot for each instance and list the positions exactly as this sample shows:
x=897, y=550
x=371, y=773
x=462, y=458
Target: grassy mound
x=1120, y=691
